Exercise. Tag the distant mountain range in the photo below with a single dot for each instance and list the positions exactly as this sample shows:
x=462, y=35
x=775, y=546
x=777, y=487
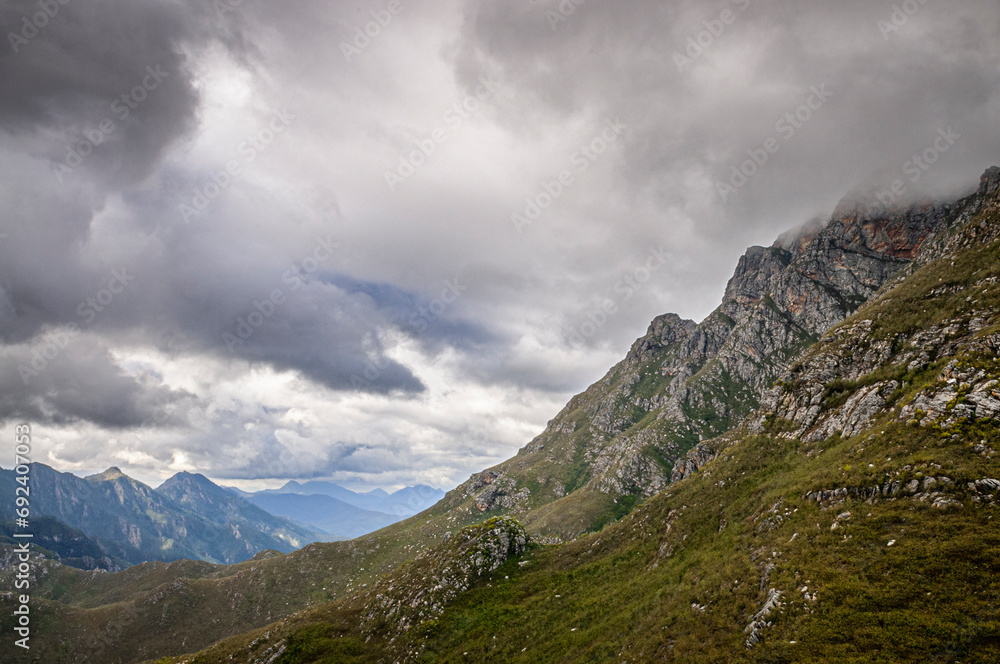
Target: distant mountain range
x=328, y=514
x=341, y=512
x=186, y=517
x=110, y=521
x=405, y=502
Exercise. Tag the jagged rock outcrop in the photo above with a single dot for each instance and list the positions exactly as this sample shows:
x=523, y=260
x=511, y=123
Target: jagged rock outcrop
x=760, y=619
x=692, y=462
x=625, y=467
x=826, y=395
x=964, y=391
x=663, y=332
x=939, y=491
x=420, y=591
x=493, y=489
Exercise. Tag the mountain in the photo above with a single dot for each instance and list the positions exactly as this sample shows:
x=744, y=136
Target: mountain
x=411, y=500
x=846, y=515
x=324, y=513
x=200, y=495
x=136, y=523
x=404, y=502
x=620, y=441
x=340, y=512
x=55, y=540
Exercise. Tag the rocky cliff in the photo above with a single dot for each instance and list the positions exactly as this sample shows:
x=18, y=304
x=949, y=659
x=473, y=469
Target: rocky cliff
x=928, y=354
x=627, y=436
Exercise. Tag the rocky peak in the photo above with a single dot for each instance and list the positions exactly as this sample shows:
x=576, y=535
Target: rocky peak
x=989, y=183
x=796, y=240
x=670, y=328
x=109, y=475
x=663, y=331
x=756, y=276
x=185, y=479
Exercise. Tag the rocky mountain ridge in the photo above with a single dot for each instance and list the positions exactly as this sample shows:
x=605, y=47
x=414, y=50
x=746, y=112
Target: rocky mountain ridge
x=626, y=437
x=963, y=389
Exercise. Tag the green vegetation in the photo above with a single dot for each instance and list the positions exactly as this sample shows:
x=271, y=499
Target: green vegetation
x=940, y=292
x=324, y=644
x=579, y=472
x=635, y=591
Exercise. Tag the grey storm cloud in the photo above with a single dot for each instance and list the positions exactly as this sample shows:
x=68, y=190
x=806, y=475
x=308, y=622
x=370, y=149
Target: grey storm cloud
x=107, y=79
x=67, y=378
x=268, y=457
x=305, y=263
x=100, y=92
x=699, y=111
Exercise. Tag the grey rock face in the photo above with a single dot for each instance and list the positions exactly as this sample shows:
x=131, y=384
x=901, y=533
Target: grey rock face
x=757, y=275
x=694, y=461
x=855, y=415
x=663, y=331
x=760, y=619
x=989, y=183
x=419, y=591
x=961, y=393
x=935, y=490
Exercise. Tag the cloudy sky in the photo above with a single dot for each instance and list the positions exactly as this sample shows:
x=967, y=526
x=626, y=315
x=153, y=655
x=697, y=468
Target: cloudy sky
x=373, y=241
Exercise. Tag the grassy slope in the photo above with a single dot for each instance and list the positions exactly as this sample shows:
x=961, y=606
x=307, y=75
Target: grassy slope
x=202, y=602
x=930, y=597
x=626, y=594
x=680, y=578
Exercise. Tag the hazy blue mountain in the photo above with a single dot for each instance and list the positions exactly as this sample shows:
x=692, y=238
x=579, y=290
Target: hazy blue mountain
x=200, y=495
x=405, y=502
x=325, y=512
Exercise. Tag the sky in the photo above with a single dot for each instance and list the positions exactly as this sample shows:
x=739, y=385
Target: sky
x=384, y=242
